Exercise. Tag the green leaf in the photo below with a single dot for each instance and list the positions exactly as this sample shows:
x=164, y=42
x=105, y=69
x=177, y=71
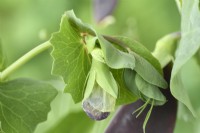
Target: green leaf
x=189, y=45
x=71, y=60
x=148, y=72
x=125, y=96
x=2, y=57
x=104, y=78
x=90, y=84
x=77, y=24
x=115, y=58
x=91, y=42
x=149, y=90
x=23, y=104
x=129, y=78
x=137, y=48
x=143, y=89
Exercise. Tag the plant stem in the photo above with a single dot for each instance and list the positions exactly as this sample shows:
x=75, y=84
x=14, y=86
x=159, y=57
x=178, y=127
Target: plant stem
x=25, y=58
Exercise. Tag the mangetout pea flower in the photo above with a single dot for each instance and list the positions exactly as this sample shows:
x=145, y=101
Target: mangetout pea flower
x=99, y=104
x=101, y=92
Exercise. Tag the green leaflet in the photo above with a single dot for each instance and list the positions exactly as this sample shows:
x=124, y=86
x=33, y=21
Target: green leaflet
x=149, y=90
x=129, y=79
x=137, y=48
x=189, y=45
x=148, y=72
x=91, y=41
x=115, y=58
x=23, y=104
x=71, y=60
x=143, y=89
x=165, y=48
x=104, y=78
x=125, y=96
x=2, y=57
x=90, y=84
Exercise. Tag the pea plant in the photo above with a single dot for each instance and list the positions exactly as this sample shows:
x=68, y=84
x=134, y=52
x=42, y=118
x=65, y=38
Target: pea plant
x=104, y=72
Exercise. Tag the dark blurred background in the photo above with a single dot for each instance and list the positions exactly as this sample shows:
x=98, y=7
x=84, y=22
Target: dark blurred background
x=25, y=24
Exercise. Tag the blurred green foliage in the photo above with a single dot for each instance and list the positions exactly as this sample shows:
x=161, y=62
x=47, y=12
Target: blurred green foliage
x=26, y=23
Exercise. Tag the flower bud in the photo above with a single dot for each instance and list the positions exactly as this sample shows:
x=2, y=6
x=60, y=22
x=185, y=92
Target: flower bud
x=99, y=104
x=101, y=91
x=94, y=113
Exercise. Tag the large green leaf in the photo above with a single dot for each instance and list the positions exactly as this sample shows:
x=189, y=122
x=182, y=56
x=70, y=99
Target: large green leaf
x=71, y=60
x=189, y=45
x=2, y=57
x=23, y=104
x=125, y=96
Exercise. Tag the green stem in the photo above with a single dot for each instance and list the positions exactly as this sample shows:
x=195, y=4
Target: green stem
x=25, y=58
